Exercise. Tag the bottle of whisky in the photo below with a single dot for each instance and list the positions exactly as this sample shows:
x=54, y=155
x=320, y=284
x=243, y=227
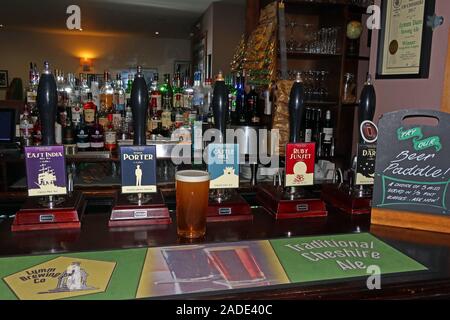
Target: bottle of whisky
x=231, y=99
x=89, y=111
x=327, y=136
x=110, y=136
x=199, y=94
x=106, y=95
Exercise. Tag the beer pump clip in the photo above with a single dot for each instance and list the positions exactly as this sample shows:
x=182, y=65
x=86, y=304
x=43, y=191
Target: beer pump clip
x=49, y=205
x=140, y=202
x=225, y=204
x=354, y=196
x=293, y=200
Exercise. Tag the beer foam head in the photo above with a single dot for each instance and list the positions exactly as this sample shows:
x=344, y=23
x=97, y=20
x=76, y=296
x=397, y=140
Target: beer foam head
x=192, y=176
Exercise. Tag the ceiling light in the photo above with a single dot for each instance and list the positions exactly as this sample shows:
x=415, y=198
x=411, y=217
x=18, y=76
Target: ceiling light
x=1, y=26
x=157, y=32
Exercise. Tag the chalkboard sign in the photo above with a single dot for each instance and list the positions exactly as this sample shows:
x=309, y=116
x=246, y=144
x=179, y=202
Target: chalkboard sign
x=412, y=170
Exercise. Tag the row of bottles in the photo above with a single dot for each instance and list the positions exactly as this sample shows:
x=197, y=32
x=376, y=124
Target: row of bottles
x=318, y=128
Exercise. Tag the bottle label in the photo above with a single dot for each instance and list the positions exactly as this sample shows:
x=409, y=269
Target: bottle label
x=188, y=101
x=308, y=135
x=110, y=138
x=83, y=145
x=31, y=96
x=156, y=99
x=166, y=119
x=89, y=115
x=328, y=134
x=97, y=145
x=177, y=100
x=103, y=121
x=106, y=101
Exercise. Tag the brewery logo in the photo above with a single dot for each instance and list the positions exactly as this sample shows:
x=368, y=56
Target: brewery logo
x=223, y=165
x=369, y=131
x=60, y=278
x=138, y=165
x=300, y=159
x=365, y=168
x=73, y=279
x=46, y=171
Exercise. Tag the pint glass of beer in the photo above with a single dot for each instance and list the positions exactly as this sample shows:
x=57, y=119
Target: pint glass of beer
x=192, y=203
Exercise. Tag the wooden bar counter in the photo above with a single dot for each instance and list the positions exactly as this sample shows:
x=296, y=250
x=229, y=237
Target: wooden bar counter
x=430, y=249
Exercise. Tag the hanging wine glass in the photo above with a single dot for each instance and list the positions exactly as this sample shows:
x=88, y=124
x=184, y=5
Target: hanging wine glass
x=292, y=44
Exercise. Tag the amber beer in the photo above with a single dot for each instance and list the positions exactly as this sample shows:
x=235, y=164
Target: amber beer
x=192, y=203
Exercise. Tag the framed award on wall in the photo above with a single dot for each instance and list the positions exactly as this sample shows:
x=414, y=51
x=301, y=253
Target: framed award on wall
x=405, y=39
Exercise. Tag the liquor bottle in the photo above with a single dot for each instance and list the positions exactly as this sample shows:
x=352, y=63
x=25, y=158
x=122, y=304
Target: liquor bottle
x=110, y=136
x=177, y=92
x=207, y=98
x=67, y=129
x=82, y=137
x=166, y=93
x=155, y=118
x=89, y=111
x=240, y=101
x=317, y=115
x=307, y=135
x=60, y=88
x=26, y=128
x=231, y=99
x=119, y=95
x=167, y=99
x=199, y=94
x=252, y=100
x=128, y=89
x=188, y=95
x=69, y=88
x=160, y=131
x=128, y=126
x=327, y=136
x=96, y=137
x=95, y=92
x=37, y=133
x=85, y=90
x=155, y=94
x=106, y=95
x=32, y=93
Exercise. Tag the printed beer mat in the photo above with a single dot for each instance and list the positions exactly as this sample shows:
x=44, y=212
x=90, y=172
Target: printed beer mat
x=168, y=271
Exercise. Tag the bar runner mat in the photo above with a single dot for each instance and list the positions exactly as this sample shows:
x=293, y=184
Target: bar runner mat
x=169, y=271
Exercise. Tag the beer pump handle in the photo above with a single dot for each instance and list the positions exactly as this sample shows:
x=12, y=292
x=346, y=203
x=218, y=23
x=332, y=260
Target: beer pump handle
x=296, y=106
x=367, y=104
x=46, y=101
x=139, y=106
x=220, y=105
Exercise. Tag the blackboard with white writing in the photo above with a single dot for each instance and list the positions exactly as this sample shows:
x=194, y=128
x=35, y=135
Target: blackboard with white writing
x=412, y=170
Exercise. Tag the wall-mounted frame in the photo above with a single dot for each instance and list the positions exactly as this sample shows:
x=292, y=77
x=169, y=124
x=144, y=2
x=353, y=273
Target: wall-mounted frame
x=4, y=83
x=405, y=39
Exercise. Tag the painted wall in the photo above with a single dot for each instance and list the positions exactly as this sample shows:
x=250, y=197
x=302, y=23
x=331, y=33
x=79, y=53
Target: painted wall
x=419, y=93
x=111, y=51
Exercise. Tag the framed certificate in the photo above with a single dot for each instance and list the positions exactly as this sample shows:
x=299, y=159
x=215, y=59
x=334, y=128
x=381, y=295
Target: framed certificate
x=404, y=49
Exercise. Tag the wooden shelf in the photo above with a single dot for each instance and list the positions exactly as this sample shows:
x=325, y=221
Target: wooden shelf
x=321, y=103
x=361, y=58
